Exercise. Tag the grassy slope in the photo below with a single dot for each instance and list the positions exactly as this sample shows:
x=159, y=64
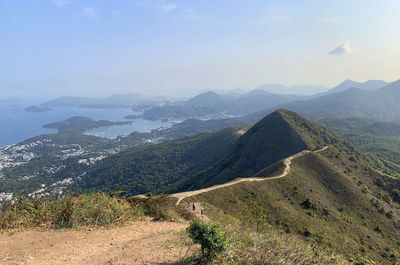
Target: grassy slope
x=341, y=217
x=277, y=136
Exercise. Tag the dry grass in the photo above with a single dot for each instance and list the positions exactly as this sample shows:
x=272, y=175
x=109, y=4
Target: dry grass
x=247, y=246
x=96, y=209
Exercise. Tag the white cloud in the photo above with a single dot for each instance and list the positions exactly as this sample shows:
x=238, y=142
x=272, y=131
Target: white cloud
x=90, y=12
x=156, y=4
x=60, y=3
x=342, y=49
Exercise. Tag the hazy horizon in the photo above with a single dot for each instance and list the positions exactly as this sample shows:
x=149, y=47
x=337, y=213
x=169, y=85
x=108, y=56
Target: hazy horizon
x=181, y=48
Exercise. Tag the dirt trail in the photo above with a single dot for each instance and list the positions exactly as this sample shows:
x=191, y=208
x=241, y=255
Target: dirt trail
x=142, y=242
x=197, y=211
x=286, y=161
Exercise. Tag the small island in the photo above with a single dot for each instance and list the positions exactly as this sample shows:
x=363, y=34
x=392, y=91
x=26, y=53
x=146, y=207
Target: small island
x=80, y=124
x=37, y=109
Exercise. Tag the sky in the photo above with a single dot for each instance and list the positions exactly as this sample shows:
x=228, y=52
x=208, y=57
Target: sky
x=178, y=47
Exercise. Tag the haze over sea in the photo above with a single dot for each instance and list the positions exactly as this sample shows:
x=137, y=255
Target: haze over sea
x=17, y=125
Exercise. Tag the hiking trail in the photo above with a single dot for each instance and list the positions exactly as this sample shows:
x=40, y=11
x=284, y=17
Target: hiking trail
x=287, y=162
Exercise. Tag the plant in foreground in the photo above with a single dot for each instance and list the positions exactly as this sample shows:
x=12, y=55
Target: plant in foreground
x=210, y=237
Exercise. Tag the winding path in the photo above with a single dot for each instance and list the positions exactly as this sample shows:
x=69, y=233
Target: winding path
x=287, y=162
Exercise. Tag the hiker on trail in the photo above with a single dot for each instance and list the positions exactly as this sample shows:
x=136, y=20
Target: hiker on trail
x=202, y=211
x=194, y=207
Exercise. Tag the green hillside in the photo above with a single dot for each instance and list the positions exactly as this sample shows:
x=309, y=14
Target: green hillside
x=153, y=167
x=329, y=198
x=80, y=124
x=380, y=139
x=277, y=136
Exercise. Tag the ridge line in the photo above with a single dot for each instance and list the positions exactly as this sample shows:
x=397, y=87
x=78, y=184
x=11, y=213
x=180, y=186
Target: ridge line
x=287, y=162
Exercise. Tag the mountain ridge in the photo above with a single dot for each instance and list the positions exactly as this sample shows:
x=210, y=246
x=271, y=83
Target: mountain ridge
x=278, y=135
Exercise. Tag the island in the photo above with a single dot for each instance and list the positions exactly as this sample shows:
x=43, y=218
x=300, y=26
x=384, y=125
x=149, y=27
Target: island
x=80, y=124
x=37, y=109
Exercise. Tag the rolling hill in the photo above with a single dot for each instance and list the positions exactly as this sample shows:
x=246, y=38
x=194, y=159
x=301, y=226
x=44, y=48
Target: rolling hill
x=114, y=101
x=367, y=85
x=277, y=136
x=381, y=104
x=212, y=104
x=294, y=90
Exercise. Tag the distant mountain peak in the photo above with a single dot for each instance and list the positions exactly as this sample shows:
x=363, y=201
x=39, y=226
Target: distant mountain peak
x=367, y=85
x=278, y=135
x=292, y=90
x=349, y=81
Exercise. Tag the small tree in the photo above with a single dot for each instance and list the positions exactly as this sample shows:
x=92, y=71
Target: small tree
x=210, y=237
x=260, y=217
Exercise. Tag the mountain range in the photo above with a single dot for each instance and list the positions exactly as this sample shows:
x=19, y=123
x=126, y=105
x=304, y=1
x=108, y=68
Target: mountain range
x=348, y=99
x=114, y=101
x=379, y=104
x=211, y=104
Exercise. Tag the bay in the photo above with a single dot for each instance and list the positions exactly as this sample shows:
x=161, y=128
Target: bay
x=17, y=125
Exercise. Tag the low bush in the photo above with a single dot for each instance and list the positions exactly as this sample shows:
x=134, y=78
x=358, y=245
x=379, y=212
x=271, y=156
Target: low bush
x=210, y=236
x=97, y=209
x=246, y=245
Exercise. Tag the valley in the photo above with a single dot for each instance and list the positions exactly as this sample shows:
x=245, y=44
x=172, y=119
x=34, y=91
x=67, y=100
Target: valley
x=332, y=183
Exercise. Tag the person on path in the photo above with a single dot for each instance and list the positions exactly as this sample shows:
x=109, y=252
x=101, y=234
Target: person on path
x=194, y=207
x=202, y=211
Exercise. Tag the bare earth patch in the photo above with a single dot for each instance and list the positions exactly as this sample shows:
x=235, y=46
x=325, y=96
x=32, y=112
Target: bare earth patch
x=142, y=242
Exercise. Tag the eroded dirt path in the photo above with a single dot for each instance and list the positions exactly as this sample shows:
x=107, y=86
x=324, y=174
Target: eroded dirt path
x=142, y=242
x=287, y=162
x=197, y=211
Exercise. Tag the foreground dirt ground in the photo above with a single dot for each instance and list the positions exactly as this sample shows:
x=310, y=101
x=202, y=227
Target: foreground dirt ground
x=142, y=242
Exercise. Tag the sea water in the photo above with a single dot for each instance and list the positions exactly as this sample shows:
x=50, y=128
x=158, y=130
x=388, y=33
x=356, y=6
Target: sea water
x=17, y=125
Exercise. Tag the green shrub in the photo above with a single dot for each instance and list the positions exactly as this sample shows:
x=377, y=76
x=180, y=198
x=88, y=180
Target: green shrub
x=364, y=188
x=210, y=237
x=96, y=209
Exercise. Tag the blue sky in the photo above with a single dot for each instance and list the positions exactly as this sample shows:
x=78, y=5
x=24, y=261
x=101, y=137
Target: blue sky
x=100, y=47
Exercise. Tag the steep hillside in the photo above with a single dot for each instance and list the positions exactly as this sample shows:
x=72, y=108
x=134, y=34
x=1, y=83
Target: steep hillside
x=277, y=136
x=153, y=167
x=329, y=198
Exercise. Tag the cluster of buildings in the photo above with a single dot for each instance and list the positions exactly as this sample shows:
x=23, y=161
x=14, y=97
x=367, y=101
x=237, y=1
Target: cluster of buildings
x=15, y=155
x=4, y=196
x=55, y=189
